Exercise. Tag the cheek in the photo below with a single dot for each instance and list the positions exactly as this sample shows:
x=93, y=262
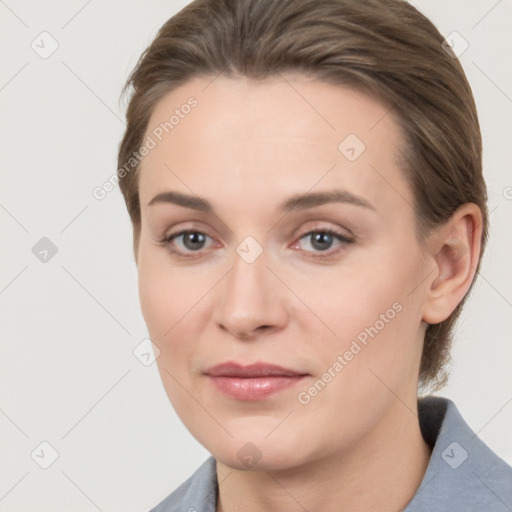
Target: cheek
x=372, y=311
x=164, y=309
x=175, y=307
x=170, y=305
x=164, y=296
x=156, y=298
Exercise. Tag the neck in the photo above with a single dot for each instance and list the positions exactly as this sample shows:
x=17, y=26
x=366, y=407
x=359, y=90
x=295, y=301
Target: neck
x=381, y=471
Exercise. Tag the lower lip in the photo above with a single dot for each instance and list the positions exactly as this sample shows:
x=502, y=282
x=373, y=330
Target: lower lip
x=257, y=388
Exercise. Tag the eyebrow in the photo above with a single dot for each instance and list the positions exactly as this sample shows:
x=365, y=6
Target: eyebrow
x=294, y=203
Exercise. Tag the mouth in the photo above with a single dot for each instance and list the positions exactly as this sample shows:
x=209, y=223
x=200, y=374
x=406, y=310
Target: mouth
x=252, y=382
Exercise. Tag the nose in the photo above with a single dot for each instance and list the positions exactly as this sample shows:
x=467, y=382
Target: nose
x=252, y=300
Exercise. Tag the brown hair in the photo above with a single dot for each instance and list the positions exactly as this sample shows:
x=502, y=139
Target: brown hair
x=386, y=47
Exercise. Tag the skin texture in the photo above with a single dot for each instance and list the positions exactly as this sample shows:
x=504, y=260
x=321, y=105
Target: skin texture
x=246, y=148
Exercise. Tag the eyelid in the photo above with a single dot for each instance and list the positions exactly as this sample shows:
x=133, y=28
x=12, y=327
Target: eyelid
x=192, y=226
x=342, y=238
x=324, y=226
x=330, y=253
x=167, y=239
x=329, y=231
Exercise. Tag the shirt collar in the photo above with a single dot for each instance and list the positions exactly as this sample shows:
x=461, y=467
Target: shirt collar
x=463, y=472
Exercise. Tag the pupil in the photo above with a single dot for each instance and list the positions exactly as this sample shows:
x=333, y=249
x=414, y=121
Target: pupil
x=319, y=239
x=192, y=239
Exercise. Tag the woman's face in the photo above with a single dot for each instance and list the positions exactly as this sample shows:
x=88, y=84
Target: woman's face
x=258, y=279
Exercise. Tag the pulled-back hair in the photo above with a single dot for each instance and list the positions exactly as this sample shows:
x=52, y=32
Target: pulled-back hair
x=384, y=47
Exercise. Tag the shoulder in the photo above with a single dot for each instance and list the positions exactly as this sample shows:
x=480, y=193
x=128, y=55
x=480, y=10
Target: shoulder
x=197, y=494
x=463, y=473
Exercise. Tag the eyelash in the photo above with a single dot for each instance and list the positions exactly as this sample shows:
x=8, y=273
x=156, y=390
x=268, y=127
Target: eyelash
x=167, y=241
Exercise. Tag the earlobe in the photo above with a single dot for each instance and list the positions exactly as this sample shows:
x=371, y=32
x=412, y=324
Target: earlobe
x=455, y=251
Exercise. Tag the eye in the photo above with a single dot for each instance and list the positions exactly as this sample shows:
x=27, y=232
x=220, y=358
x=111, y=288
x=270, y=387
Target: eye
x=191, y=240
x=321, y=240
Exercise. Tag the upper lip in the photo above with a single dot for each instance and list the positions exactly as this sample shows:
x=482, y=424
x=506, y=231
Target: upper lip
x=232, y=369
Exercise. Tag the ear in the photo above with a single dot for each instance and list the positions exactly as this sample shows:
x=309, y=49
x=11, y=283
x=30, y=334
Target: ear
x=454, y=250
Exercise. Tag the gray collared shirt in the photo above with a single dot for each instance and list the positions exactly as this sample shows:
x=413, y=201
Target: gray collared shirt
x=463, y=473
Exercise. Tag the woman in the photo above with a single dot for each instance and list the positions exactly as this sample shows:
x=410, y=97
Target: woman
x=304, y=180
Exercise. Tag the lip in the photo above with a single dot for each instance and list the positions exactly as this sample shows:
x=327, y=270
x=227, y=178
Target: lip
x=233, y=369
x=255, y=381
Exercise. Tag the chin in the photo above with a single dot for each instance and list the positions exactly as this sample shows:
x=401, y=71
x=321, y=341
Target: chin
x=258, y=453
x=251, y=460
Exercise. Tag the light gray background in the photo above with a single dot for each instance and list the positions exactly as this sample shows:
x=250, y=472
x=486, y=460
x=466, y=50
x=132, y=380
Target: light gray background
x=70, y=325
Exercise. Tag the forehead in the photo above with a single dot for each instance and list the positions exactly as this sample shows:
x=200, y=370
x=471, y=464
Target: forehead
x=258, y=136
